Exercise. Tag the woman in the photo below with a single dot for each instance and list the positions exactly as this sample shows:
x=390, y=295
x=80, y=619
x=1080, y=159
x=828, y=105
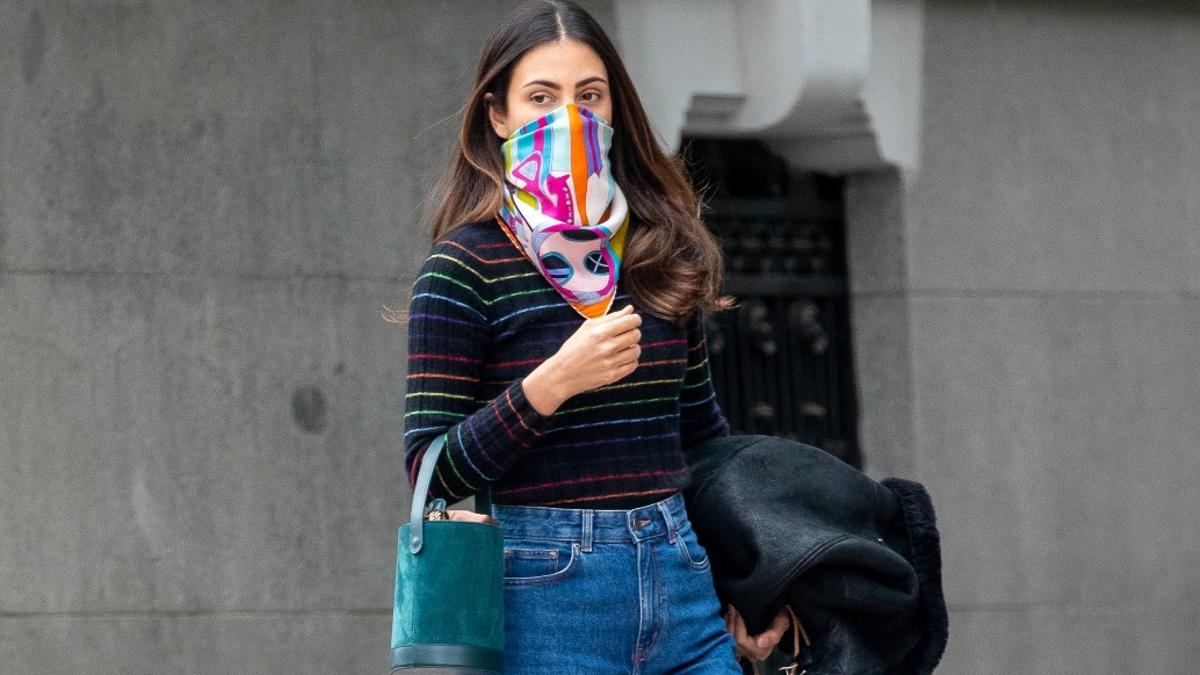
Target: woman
x=555, y=336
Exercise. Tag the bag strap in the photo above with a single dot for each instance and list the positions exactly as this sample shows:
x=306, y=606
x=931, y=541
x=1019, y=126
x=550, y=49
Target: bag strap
x=416, y=518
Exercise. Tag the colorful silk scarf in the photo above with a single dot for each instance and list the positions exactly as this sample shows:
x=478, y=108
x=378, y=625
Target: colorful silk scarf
x=563, y=207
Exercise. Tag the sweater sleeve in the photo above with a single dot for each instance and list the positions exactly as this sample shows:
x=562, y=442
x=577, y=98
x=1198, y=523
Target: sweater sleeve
x=448, y=335
x=700, y=416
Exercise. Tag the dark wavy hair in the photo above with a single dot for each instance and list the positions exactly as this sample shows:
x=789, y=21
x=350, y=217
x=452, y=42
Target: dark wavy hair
x=672, y=264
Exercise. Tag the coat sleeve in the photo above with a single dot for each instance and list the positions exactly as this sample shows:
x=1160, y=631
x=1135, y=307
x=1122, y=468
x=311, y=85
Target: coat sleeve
x=700, y=416
x=448, y=336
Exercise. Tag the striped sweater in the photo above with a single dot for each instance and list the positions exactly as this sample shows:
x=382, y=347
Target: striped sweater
x=481, y=318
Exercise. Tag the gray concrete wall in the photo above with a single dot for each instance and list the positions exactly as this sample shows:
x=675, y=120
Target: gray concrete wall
x=1027, y=311
x=203, y=208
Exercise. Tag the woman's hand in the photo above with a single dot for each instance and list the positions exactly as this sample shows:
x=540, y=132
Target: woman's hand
x=756, y=647
x=469, y=516
x=601, y=351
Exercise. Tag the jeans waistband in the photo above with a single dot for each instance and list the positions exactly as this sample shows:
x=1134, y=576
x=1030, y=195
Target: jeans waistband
x=663, y=517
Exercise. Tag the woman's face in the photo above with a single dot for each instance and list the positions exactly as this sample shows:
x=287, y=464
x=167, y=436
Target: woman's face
x=549, y=75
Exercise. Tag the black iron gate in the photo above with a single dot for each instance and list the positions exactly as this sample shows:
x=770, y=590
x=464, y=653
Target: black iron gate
x=781, y=361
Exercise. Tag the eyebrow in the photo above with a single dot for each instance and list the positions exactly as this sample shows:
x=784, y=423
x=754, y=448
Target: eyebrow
x=547, y=83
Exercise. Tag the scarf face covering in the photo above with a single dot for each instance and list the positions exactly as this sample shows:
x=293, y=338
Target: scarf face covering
x=563, y=207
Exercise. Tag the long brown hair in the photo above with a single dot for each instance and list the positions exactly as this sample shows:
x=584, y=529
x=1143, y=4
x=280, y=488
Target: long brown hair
x=671, y=264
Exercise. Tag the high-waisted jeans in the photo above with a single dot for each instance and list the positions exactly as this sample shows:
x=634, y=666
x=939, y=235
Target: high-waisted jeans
x=610, y=591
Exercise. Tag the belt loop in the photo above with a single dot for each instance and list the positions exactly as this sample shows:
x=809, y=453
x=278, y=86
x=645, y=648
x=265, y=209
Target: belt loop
x=586, y=544
x=670, y=521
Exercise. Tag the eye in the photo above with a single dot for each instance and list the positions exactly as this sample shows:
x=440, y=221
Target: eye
x=536, y=96
x=594, y=94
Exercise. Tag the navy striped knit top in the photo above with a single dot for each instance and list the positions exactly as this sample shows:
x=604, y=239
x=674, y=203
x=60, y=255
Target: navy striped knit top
x=481, y=318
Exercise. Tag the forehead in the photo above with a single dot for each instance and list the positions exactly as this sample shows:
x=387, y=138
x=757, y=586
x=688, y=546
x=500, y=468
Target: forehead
x=563, y=62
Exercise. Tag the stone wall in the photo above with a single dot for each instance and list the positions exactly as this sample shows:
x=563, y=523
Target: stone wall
x=204, y=207
x=1027, y=309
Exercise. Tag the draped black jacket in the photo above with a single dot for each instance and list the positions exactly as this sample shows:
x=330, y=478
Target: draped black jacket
x=858, y=561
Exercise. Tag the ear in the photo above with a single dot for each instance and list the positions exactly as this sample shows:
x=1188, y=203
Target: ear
x=494, y=116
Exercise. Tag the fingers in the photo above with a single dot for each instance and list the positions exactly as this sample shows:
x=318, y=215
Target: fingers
x=468, y=516
x=731, y=626
x=750, y=645
x=620, y=334
x=624, y=311
x=745, y=646
x=620, y=344
x=626, y=330
x=757, y=647
x=621, y=321
x=629, y=356
x=774, y=633
x=613, y=342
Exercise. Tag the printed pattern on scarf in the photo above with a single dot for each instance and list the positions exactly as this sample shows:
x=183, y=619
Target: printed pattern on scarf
x=563, y=207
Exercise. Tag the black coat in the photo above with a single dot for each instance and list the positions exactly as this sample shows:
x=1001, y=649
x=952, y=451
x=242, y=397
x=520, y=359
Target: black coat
x=859, y=561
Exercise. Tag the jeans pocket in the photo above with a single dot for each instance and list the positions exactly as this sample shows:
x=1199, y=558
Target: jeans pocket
x=693, y=554
x=539, y=561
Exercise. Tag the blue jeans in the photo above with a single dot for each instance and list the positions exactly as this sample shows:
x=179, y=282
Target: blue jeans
x=610, y=591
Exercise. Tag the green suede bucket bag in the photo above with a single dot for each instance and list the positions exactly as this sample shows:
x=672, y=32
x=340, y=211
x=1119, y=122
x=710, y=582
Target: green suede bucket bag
x=448, y=612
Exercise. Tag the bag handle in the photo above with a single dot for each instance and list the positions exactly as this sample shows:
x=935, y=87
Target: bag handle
x=416, y=534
